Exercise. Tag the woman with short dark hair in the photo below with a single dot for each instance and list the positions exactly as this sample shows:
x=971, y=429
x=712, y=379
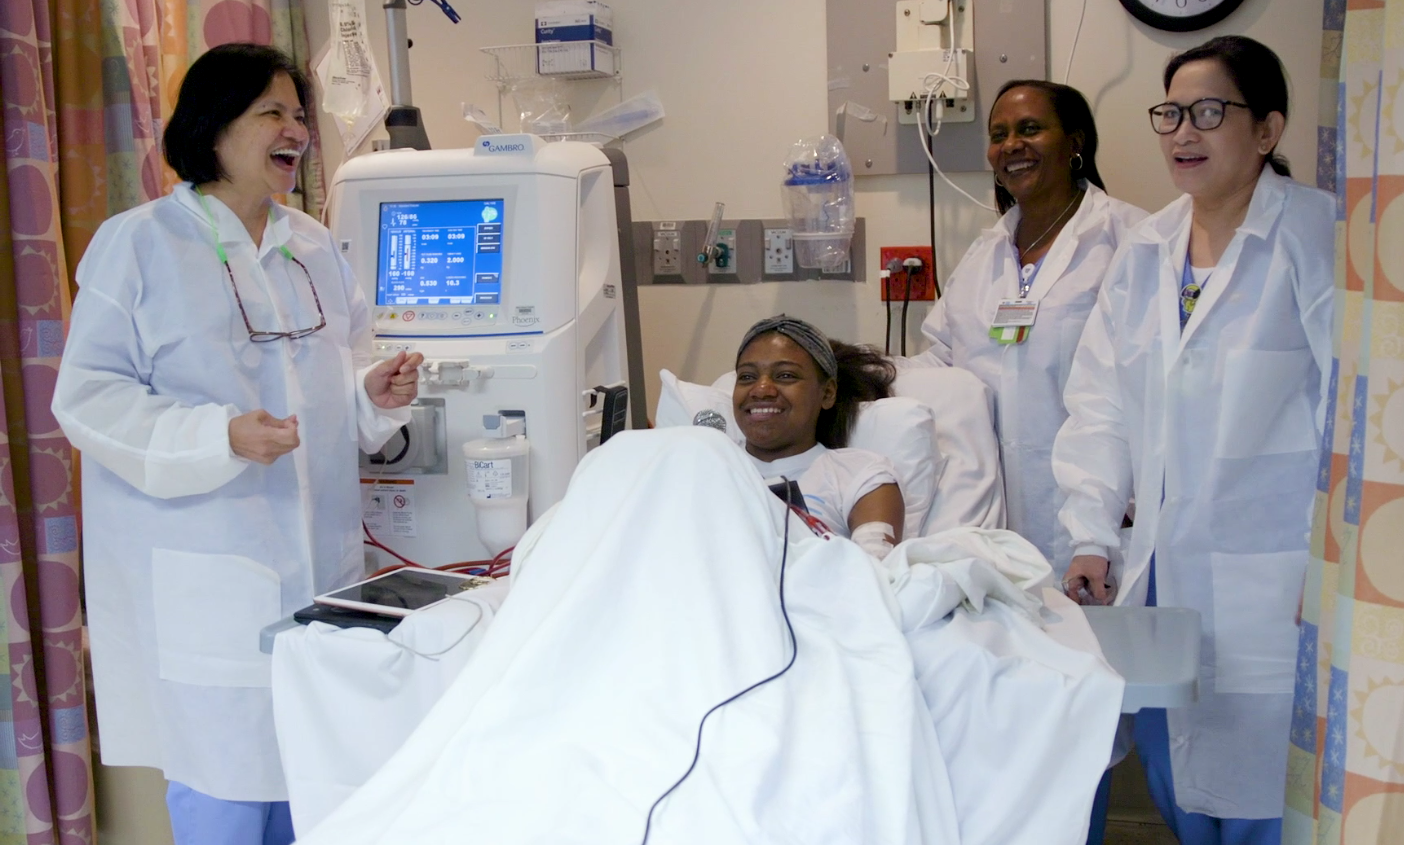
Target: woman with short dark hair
x=1200, y=388
x=217, y=378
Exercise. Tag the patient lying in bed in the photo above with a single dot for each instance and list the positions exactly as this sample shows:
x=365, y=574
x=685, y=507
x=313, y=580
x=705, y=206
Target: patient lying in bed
x=668, y=584
x=796, y=398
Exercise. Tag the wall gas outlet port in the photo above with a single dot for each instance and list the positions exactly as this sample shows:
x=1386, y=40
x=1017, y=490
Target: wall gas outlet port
x=667, y=249
x=918, y=279
x=779, y=252
x=724, y=262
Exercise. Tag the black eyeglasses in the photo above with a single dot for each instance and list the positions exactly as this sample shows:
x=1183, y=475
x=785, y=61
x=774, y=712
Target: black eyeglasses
x=1204, y=114
x=264, y=337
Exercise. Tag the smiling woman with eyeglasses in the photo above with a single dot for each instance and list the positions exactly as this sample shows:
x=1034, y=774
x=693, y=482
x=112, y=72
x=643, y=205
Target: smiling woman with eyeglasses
x=1200, y=386
x=218, y=379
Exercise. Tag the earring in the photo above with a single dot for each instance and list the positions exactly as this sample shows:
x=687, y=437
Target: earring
x=1075, y=162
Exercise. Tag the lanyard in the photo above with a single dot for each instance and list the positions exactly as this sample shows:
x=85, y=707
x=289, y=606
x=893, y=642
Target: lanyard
x=1027, y=274
x=1189, y=292
x=214, y=228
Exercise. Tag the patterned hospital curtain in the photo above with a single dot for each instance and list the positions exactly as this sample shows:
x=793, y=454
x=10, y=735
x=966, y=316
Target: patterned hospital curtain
x=45, y=761
x=147, y=46
x=207, y=23
x=1346, y=760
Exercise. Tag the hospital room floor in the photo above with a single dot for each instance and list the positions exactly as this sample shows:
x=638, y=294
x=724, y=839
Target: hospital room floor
x=131, y=808
x=1133, y=819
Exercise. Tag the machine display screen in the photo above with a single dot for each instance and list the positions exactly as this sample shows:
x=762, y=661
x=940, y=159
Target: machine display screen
x=445, y=252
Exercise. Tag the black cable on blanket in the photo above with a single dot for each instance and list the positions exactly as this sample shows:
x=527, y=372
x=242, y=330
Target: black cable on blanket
x=794, y=652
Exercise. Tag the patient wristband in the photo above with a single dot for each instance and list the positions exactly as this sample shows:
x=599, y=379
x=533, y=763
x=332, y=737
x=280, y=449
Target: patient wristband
x=873, y=538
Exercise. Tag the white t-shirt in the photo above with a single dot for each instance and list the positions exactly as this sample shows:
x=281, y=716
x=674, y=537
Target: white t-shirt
x=831, y=480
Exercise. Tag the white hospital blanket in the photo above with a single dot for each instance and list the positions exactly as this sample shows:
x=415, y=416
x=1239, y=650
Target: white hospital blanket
x=1024, y=706
x=345, y=699
x=652, y=595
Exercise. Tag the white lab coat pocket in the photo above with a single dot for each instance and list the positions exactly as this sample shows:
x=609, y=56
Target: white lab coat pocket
x=1255, y=628
x=1266, y=409
x=209, y=611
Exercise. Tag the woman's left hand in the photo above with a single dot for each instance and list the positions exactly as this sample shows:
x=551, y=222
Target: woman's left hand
x=394, y=383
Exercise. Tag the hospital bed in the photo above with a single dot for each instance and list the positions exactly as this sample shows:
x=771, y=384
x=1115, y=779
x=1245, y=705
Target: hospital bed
x=345, y=700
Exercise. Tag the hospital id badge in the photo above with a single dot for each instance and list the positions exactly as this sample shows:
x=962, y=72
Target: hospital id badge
x=1013, y=319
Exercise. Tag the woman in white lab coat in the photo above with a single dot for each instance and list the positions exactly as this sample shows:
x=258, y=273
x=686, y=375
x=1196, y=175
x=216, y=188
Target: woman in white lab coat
x=217, y=379
x=1049, y=250
x=1199, y=387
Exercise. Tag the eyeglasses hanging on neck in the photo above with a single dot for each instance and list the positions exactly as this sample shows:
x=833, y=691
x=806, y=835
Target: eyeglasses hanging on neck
x=255, y=335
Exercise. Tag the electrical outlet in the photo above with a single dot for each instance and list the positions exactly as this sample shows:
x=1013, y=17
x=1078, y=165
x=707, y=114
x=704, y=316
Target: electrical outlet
x=667, y=249
x=919, y=281
x=779, y=252
x=726, y=259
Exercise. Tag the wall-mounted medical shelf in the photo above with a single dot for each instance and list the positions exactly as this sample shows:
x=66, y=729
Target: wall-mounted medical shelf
x=557, y=60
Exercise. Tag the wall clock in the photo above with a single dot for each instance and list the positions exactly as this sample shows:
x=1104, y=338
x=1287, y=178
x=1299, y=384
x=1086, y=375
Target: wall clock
x=1180, y=15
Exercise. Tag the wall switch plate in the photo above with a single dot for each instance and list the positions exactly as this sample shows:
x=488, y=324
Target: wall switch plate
x=779, y=252
x=920, y=280
x=727, y=257
x=667, y=248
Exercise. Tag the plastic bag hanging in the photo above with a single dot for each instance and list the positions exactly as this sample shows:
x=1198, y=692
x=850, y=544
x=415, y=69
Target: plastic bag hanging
x=350, y=84
x=818, y=194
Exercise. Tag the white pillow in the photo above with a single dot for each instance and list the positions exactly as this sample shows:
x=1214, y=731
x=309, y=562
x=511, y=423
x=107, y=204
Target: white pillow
x=969, y=486
x=679, y=401
x=901, y=429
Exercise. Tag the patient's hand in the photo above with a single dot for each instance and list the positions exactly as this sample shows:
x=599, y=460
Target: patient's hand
x=1089, y=572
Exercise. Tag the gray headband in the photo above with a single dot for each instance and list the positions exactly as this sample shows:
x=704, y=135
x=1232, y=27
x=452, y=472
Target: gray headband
x=810, y=339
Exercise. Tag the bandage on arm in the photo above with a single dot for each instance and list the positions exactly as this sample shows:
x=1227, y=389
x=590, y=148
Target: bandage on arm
x=875, y=538
x=881, y=504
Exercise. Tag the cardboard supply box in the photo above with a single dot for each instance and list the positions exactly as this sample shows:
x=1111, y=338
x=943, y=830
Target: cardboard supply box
x=574, y=20
x=573, y=57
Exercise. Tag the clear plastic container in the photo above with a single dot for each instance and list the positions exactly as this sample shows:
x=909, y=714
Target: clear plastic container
x=818, y=195
x=498, y=472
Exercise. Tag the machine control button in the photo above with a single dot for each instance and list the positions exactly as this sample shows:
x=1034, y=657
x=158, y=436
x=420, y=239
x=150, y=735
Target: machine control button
x=480, y=315
x=409, y=316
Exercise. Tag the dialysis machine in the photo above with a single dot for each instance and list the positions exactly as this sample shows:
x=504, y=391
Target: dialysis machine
x=499, y=263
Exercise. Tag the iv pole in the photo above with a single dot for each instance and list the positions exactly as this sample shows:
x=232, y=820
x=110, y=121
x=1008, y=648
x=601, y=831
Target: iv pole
x=404, y=123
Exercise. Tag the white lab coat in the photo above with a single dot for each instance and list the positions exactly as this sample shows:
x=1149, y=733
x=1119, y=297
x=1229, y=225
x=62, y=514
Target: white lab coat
x=1028, y=378
x=1226, y=419
x=188, y=550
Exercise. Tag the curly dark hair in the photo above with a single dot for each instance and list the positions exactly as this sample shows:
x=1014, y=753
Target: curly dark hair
x=864, y=375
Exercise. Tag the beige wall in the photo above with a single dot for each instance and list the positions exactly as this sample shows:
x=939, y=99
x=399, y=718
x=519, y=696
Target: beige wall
x=741, y=79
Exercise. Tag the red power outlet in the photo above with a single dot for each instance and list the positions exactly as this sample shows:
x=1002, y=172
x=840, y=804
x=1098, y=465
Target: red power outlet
x=920, y=279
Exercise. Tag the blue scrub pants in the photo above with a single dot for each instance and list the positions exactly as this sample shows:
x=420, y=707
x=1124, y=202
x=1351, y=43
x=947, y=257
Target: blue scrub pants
x=1153, y=746
x=1097, y=831
x=198, y=819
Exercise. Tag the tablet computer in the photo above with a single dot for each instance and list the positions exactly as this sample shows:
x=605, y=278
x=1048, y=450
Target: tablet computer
x=343, y=617
x=403, y=591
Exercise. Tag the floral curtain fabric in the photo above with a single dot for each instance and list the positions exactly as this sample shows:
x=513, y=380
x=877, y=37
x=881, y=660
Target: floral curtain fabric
x=45, y=762
x=1346, y=761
